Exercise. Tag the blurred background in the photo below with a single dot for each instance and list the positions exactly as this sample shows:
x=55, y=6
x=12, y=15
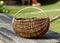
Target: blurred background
x=52, y=8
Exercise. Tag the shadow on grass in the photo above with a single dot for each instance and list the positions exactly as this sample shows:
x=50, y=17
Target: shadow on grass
x=47, y=2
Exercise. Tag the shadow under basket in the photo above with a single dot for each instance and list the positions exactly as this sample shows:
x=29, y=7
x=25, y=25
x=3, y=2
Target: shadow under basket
x=30, y=27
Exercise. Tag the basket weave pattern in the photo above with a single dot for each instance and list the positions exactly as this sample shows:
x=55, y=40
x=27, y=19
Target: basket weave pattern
x=30, y=27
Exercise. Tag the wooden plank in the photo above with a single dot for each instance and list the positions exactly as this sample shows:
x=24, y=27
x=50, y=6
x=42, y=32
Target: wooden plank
x=7, y=35
x=10, y=36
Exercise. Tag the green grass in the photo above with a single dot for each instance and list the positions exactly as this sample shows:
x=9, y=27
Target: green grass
x=14, y=9
x=52, y=6
x=55, y=26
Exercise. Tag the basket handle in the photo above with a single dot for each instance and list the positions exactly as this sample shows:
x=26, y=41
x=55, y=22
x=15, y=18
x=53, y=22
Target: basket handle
x=31, y=7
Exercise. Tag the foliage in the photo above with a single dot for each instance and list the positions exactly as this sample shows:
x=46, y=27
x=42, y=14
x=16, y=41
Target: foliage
x=3, y=8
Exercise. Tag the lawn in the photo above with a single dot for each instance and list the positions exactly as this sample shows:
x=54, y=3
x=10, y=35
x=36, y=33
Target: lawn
x=55, y=26
x=14, y=9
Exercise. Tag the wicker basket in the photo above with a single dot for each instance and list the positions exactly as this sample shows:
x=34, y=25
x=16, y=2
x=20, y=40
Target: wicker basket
x=30, y=27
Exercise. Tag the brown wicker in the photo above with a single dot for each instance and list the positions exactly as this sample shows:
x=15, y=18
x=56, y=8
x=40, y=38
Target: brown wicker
x=30, y=27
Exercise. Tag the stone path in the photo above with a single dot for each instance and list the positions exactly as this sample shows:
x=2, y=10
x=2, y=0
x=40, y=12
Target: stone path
x=7, y=35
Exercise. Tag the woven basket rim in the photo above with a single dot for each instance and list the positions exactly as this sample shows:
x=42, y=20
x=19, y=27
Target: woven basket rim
x=29, y=19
